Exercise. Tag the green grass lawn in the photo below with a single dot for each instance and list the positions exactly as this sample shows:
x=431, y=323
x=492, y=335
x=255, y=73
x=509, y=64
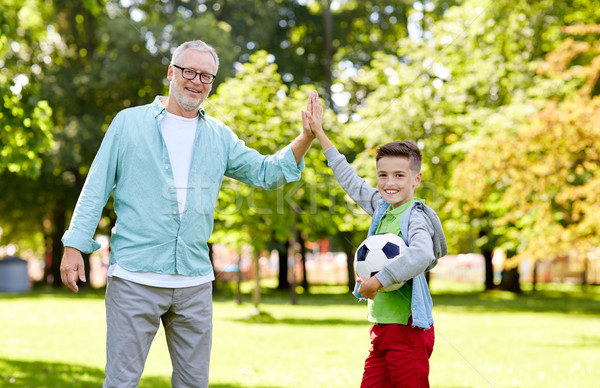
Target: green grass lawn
x=496, y=339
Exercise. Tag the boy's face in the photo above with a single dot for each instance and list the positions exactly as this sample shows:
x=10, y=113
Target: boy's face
x=396, y=181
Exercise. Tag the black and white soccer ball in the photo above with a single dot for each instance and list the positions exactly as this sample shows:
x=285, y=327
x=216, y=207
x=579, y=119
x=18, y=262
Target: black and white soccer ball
x=376, y=252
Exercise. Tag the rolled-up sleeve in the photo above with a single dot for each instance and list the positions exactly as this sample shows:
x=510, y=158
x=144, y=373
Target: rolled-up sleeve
x=266, y=171
x=291, y=170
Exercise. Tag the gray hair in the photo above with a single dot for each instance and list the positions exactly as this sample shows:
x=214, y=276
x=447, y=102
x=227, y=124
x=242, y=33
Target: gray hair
x=197, y=45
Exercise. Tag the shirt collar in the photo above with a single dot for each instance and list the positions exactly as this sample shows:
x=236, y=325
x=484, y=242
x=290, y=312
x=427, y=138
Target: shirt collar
x=160, y=110
x=399, y=210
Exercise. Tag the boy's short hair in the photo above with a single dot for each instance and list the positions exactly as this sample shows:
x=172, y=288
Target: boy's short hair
x=404, y=148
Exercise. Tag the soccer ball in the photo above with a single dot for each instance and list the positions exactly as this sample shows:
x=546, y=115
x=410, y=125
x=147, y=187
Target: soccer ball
x=376, y=252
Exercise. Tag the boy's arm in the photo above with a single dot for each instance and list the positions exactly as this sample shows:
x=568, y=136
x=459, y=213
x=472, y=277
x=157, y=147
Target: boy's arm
x=418, y=256
x=360, y=191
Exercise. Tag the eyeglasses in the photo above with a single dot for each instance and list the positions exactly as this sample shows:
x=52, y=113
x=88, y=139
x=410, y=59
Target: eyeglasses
x=205, y=78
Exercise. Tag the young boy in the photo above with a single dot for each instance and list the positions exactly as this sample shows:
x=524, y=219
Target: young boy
x=402, y=336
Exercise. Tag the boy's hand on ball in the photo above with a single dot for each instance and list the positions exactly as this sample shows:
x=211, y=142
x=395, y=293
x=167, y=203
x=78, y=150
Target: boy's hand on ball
x=368, y=288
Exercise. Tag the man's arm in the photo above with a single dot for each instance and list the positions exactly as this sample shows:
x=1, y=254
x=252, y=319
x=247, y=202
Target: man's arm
x=301, y=144
x=269, y=171
x=94, y=195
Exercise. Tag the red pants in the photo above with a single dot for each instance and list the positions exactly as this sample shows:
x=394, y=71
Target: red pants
x=399, y=357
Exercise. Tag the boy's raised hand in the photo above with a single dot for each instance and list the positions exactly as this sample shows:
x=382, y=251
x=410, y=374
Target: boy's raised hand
x=315, y=108
x=314, y=119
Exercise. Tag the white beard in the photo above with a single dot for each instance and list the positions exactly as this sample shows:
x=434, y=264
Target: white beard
x=185, y=102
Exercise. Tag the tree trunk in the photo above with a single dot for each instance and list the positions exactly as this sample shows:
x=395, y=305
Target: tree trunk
x=292, y=256
x=489, y=269
x=349, y=251
x=256, y=293
x=584, y=274
x=305, y=284
x=534, y=276
x=283, y=282
x=48, y=242
x=510, y=280
x=328, y=60
x=238, y=290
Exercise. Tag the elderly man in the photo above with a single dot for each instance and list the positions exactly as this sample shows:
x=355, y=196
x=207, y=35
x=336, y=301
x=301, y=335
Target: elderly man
x=164, y=163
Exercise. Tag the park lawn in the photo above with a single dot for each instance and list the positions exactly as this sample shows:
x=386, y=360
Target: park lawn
x=493, y=339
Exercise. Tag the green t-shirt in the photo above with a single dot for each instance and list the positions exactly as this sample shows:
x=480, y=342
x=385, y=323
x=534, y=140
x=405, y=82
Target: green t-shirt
x=393, y=306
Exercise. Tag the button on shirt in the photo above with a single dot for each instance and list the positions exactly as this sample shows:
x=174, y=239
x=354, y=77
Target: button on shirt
x=133, y=163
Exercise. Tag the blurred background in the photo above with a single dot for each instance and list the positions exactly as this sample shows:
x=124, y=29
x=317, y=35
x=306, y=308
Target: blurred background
x=501, y=96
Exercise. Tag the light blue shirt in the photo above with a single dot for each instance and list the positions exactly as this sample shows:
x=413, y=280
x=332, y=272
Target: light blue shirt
x=133, y=163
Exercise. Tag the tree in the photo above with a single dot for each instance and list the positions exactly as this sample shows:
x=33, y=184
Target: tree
x=260, y=108
x=26, y=119
x=538, y=181
x=101, y=61
x=473, y=75
x=314, y=40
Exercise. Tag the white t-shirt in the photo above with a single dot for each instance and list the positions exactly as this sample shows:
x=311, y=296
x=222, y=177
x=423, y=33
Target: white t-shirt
x=178, y=134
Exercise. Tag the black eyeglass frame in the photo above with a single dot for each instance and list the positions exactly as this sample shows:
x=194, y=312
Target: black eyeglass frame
x=184, y=69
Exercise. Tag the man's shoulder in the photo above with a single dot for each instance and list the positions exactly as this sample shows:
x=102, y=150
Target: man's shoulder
x=219, y=128
x=216, y=123
x=135, y=110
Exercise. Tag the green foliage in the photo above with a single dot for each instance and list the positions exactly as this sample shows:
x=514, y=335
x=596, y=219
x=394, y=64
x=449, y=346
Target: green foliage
x=265, y=113
x=308, y=43
x=538, y=181
x=462, y=78
x=473, y=78
x=24, y=134
x=25, y=129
